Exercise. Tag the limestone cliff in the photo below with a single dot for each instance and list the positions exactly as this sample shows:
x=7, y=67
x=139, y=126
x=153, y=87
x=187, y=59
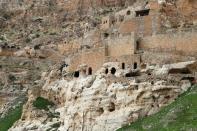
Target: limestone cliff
x=104, y=101
x=137, y=40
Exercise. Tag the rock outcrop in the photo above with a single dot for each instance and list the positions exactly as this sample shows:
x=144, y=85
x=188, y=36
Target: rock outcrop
x=106, y=101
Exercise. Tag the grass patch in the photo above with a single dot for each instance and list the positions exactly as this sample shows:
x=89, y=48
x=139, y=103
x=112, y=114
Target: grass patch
x=11, y=118
x=181, y=115
x=56, y=125
x=42, y=103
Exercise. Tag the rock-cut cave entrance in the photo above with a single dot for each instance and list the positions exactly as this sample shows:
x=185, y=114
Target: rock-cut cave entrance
x=76, y=74
x=113, y=70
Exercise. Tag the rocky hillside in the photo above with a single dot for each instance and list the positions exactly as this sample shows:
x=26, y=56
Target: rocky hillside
x=52, y=22
x=104, y=101
x=180, y=115
x=32, y=65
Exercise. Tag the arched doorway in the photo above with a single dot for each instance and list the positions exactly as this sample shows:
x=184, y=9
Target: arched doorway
x=113, y=70
x=76, y=74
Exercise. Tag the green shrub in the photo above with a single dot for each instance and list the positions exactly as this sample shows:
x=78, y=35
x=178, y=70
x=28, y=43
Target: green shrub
x=12, y=116
x=56, y=125
x=42, y=103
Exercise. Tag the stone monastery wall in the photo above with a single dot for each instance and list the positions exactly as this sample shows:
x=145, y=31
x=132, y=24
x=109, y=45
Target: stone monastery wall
x=183, y=42
x=143, y=26
x=127, y=60
x=121, y=46
x=132, y=37
x=120, y=49
x=93, y=58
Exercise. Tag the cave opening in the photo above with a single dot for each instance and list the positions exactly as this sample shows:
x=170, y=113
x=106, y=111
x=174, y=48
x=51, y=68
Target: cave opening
x=142, y=12
x=111, y=107
x=76, y=74
x=113, y=70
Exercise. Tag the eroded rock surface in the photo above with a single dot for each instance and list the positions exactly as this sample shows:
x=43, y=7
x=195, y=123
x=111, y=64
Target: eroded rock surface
x=105, y=101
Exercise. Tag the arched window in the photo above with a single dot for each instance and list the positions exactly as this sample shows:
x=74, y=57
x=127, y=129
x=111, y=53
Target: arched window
x=137, y=45
x=113, y=70
x=89, y=71
x=123, y=65
x=135, y=65
x=106, y=71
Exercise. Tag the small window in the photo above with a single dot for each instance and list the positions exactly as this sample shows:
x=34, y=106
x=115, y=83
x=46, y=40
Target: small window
x=123, y=65
x=106, y=35
x=137, y=45
x=90, y=71
x=106, y=71
x=128, y=12
x=135, y=65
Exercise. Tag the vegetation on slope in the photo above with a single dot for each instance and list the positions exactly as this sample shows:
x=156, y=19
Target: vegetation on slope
x=12, y=116
x=181, y=115
x=42, y=103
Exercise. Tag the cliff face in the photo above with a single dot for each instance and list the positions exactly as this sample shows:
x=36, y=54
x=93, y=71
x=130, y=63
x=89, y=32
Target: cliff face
x=104, y=101
x=40, y=32
x=180, y=13
x=70, y=5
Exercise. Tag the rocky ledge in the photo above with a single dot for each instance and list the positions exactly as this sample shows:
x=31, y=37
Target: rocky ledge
x=105, y=100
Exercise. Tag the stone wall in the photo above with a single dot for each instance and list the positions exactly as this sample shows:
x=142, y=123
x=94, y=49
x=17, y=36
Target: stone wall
x=121, y=49
x=143, y=26
x=92, y=38
x=93, y=58
x=75, y=61
x=107, y=22
x=125, y=45
x=180, y=42
x=7, y=51
x=128, y=60
x=127, y=21
x=160, y=58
